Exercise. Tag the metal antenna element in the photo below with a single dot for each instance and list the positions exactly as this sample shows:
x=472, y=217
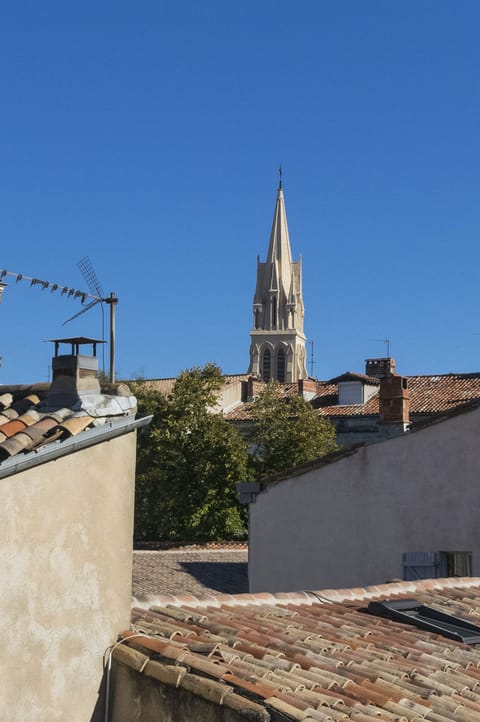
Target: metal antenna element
x=84, y=310
x=312, y=362
x=96, y=296
x=88, y=272
x=64, y=290
x=386, y=341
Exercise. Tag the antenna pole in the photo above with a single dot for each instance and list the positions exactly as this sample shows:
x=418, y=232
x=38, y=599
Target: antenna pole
x=311, y=358
x=112, y=300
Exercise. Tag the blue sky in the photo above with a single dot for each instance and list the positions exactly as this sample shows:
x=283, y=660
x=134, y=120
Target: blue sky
x=148, y=135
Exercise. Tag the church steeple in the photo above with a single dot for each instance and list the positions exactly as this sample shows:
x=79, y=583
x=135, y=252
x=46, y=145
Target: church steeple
x=277, y=349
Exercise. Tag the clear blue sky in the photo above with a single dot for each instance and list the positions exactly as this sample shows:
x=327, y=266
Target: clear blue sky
x=147, y=135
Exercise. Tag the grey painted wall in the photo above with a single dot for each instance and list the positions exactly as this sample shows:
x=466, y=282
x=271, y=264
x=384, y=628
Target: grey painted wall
x=65, y=561
x=347, y=523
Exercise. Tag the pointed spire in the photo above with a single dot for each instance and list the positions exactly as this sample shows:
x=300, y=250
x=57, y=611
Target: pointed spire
x=279, y=247
x=277, y=348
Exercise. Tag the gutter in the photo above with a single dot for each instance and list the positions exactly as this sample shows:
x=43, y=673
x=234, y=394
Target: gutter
x=110, y=430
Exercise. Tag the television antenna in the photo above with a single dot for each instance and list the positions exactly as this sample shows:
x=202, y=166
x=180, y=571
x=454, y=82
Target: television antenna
x=386, y=341
x=312, y=362
x=97, y=296
x=94, y=297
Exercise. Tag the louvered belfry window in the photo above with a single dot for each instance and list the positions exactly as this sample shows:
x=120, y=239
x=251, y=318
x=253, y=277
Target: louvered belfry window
x=267, y=365
x=281, y=365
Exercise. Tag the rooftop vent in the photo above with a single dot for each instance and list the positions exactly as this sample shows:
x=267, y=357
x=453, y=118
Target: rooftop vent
x=410, y=611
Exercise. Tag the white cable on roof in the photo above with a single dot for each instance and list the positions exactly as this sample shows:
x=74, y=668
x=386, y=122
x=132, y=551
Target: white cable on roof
x=108, y=667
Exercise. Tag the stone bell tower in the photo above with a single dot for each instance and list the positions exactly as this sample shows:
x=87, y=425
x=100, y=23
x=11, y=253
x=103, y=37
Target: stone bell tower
x=277, y=349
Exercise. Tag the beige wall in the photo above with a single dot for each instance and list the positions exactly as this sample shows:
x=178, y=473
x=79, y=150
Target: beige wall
x=65, y=561
x=347, y=523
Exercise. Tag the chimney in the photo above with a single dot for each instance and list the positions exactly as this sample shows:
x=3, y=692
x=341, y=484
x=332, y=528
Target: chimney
x=74, y=374
x=307, y=388
x=254, y=387
x=394, y=398
x=380, y=367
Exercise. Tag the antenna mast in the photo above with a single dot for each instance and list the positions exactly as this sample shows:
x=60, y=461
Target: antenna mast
x=386, y=341
x=88, y=272
x=96, y=296
x=310, y=343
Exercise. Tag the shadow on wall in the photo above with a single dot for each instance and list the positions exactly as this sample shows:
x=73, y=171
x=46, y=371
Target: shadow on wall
x=98, y=714
x=223, y=577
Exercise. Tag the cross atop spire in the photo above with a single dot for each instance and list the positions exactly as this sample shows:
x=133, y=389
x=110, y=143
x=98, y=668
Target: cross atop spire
x=280, y=174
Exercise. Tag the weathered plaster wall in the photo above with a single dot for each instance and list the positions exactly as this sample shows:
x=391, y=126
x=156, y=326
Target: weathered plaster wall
x=65, y=561
x=347, y=523
x=139, y=697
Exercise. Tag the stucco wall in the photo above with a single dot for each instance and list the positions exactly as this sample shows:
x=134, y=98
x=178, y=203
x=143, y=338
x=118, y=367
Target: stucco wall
x=347, y=523
x=137, y=697
x=65, y=561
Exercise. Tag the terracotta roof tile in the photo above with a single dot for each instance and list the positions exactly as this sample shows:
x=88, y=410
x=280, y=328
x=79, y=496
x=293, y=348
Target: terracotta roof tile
x=428, y=395
x=27, y=422
x=317, y=653
x=165, y=385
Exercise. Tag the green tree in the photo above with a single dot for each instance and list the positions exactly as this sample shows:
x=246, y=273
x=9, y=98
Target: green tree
x=287, y=432
x=189, y=460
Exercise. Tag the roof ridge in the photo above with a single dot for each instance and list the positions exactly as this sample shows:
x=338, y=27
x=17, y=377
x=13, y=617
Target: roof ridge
x=307, y=596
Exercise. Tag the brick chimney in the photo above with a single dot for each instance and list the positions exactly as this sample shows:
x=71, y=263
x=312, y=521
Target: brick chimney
x=380, y=367
x=307, y=388
x=254, y=386
x=394, y=398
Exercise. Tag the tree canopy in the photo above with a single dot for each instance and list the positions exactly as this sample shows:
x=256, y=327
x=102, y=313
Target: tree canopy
x=189, y=459
x=188, y=463
x=287, y=432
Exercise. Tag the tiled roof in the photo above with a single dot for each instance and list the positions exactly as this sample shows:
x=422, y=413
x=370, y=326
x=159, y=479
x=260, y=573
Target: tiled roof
x=431, y=394
x=28, y=422
x=195, y=569
x=312, y=655
x=428, y=395
x=165, y=386
x=352, y=376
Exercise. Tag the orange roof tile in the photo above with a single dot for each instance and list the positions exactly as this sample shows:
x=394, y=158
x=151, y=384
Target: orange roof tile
x=313, y=655
x=428, y=395
x=27, y=422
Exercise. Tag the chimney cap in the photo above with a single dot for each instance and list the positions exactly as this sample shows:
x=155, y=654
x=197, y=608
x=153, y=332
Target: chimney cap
x=76, y=342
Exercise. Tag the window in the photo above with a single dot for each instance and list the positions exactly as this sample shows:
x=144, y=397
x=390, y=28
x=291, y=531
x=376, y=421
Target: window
x=274, y=311
x=456, y=564
x=434, y=565
x=281, y=365
x=411, y=611
x=267, y=365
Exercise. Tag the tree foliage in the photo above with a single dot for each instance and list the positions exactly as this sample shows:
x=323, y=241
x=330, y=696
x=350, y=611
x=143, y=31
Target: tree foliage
x=287, y=432
x=188, y=463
